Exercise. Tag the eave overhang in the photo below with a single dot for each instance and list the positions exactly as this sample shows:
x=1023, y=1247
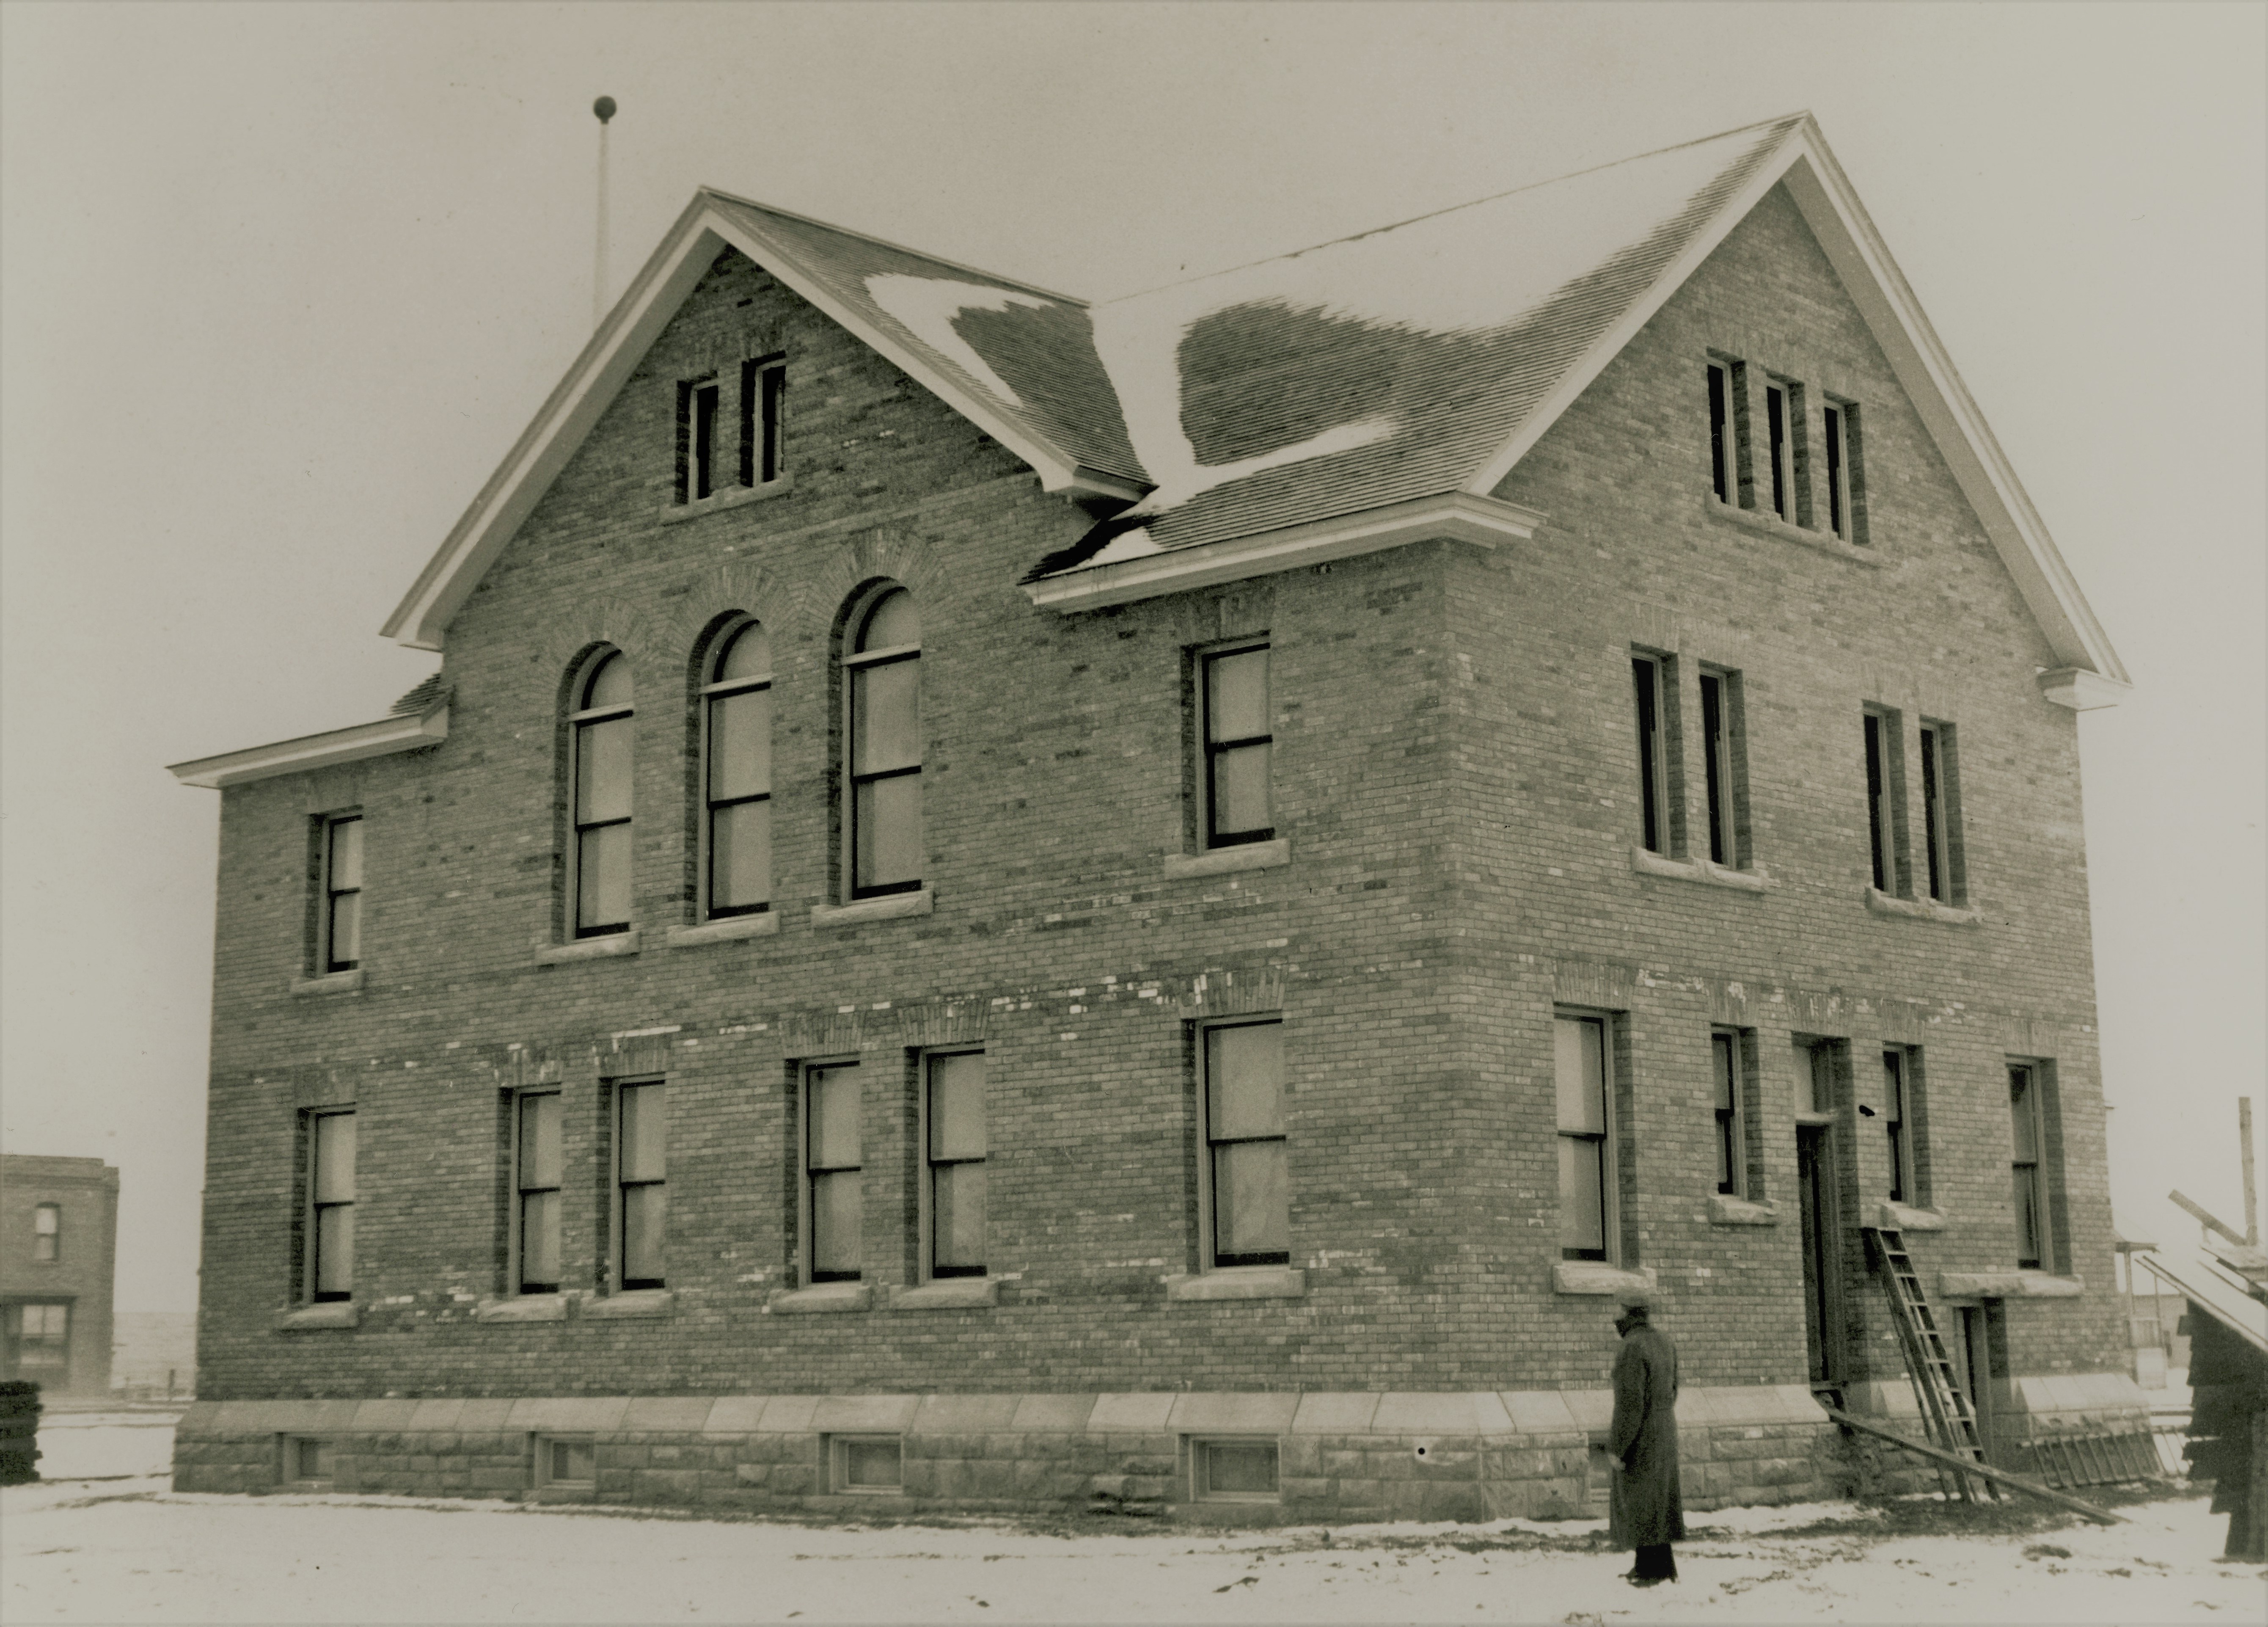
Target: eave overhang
x=1457, y=516
x=383, y=738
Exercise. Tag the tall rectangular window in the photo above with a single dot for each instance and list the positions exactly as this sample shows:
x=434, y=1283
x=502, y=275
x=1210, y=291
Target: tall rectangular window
x=1721, y=480
x=729, y=429
x=2028, y=1136
x=1895, y=1127
x=737, y=766
x=1885, y=794
x=1723, y=738
x=1838, y=510
x=1731, y=1138
x=1779, y=449
x=954, y=1111
x=1824, y=1064
x=641, y=1184
x=600, y=741
x=330, y=1206
x=1654, y=682
x=1941, y=803
x=1244, y=1135
x=537, y=1176
x=882, y=671
x=342, y=892
x=834, y=1173
x=1239, y=741
x=47, y=1232
x=1580, y=1068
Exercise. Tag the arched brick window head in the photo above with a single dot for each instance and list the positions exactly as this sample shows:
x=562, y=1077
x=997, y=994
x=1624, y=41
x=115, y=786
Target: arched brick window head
x=601, y=723
x=884, y=668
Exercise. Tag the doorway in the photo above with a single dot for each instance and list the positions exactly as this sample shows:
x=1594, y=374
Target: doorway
x=1822, y=1283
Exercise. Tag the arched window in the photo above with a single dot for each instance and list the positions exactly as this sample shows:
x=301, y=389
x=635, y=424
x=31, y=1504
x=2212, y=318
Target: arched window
x=885, y=757
x=602, y=726
x=737, y=774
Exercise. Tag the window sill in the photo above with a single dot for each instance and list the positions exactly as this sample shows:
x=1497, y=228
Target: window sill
x=946, y=1293
x=1595, y=1276
x=889, y=906
x=2007, y=1285
x=820, y=1298
x=345, y=1313
x=522, y=1308
x=764, y=924
x=1725, y=1209
x=1899, y=1217
x=637, y=1302
x=1920, y=909
x=589, y=949
x=1239, y=1283
x=329, y=983
x=734, y=497
x=1772, y=525
x=1227, y=861
x=1645, y=862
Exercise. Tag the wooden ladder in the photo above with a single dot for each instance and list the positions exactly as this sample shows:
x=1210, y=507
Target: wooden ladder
x=1945, y=1408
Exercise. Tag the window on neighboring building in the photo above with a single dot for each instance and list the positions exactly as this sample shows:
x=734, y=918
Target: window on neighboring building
x=1239, y=741
x=866, y=1463
x=1723, y=739
x=833, y=1171
x=728, y=429
x=1886, y=784
x=1244, y=1133
x=39, y=1337
x=1233, y=1470
x=1896, y=1070
x=1586, y=1172
x=331, y=1206
x=342, y=892
x=2029, y=1137
x=537, y=1174
x=1727, y=1075
x=47, y=1232
x=956, y=1148
x=883, y=670
x=1940, y=804
x=600, y=725
x=1655, y=680
x=737, y=715
x=641, y=1183
x=1780, y=448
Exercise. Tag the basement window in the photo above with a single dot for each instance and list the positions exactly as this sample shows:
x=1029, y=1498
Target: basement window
x=566, y=1460
x=869, y=1465
x=1235, y=1470
x=310, y=1462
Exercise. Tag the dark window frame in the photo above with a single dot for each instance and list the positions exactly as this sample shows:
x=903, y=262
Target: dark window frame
x=583, y=719
x=731, y=429
x=334, y=825
x=1209, y=1145
x=1728, y=1063
x=812, y=1172
x=1946, y=869
x=1724, y=767
x=1604, y=1143
x=318, y=1206
x=855, y=664
x=621, y=1184
x=2034, y=1225
x=1212, y=752
x=931, y=1163
x=47, y=1240
x=714, y=691
x=1899, y=1123
x=1846, y=484
x=1883, y=746
x=1660, y=752
x=522, y=1189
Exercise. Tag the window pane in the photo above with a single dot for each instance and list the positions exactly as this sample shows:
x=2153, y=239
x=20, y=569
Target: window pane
x=645, y=1133
x=1726, y=1181
x=538, y=1141
x=46, y=1219
x=1893, y=1087
x=1721, y=1055
x=739, y=745
x=740, y=855
x=346, y=854
x=958, y=1222
x=1236, y=696
x=602, y=770
x=1244, y=1081
x=1582, y=1195
x=892, y=622
x=609, y=685
x=2027, y=1214
x=835, y=1214
x=886, y=716
x=335, y=1158
x=1251, y=1202
x=644, y=1209
x=346, y=930
x=1579, y=1065
x=1240, y=1466
x=539, y=1242
x=889, y=815
x=956, y=1106
x=335, y=1250
x=833, y=1109
x=749, y=655
x=602, y=876
x=1240, y=790
x=574, y=1460
x=1822, y=1079
x=2025, y=1112
x=871, y=1464
x=316, y=1460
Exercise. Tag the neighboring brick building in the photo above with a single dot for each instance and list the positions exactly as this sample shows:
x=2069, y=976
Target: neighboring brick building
x=58, y=1255
x=879, y=970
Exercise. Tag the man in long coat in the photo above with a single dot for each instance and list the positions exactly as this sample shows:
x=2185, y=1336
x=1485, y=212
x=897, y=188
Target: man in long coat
x=1647, y=1507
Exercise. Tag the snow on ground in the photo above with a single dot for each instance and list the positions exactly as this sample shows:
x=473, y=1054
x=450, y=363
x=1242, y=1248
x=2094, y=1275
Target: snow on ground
x=130, y=1551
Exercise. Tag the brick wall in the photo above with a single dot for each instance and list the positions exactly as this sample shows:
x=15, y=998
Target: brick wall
x=85, y=1192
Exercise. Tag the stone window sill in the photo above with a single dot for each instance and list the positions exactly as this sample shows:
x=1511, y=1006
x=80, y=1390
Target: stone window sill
x=522, y=1308
x=344, y=1313
x=820, y=1298
x=762, y=924
x=1920, y=909
x=889, y=906
x=1899, y=1217
x=1239, y=1283
x=1725, y=1209
x=2007, y=1285
x=1228, y=861
x=329, y=983
x=946, y=1293
x=589, y=949
x=1772, y=525
x=734, y=497
x=1595, y=1276
x=637, y=1302
x=1645, y=862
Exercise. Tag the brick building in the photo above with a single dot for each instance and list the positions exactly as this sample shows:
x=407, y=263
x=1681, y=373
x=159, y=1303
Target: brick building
x=58, y=1256
x=1001, y=900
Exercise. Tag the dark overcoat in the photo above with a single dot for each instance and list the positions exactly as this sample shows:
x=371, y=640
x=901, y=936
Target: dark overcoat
x=1647, y=1507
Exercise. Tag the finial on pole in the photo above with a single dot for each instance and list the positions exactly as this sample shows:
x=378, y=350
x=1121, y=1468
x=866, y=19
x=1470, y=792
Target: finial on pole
x=604, y=109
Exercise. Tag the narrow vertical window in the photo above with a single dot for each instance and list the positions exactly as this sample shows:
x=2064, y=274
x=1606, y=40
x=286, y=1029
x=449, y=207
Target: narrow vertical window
x=2031, y=1200
x=1244, y=1144
x=642, y=1183
x=1721, y=433
x=1776, y=428
x=537, y=1176
x=1838, y=515
x=1724, y=1067
x=1940, y=813
x=956, y=1163
x=1586, y=1175
x=833, y=1172
x=1884, y=786
x=886, y=747
x=1239, y=741
x=737, y=713
x=1894, y=1126
x=707, y=398
x=1724, y=773
x=601, y=746
x=1653, y=679
x=763, y=392
x=331, y=1206
x=1825, y=1065
x=47, y=1232
x=342, y=893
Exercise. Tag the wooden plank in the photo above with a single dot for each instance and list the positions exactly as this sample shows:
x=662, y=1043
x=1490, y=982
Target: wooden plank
x=1997, y=1476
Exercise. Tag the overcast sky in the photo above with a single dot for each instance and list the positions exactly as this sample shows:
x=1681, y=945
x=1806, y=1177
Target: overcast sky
x=280, y=284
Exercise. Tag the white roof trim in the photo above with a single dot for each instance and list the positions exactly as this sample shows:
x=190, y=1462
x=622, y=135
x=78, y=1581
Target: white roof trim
x=2080, y=690
x=1919, y=357
x=382, y=738
x=1460, y=516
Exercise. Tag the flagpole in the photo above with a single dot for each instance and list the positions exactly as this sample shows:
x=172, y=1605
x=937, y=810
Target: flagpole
x=604, y=108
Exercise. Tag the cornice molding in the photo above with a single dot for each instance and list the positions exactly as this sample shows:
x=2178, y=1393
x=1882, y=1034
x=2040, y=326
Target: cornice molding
x=383, y=738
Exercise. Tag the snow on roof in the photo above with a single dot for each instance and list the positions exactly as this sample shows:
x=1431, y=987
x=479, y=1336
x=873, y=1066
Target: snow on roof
x=2213, y=1287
